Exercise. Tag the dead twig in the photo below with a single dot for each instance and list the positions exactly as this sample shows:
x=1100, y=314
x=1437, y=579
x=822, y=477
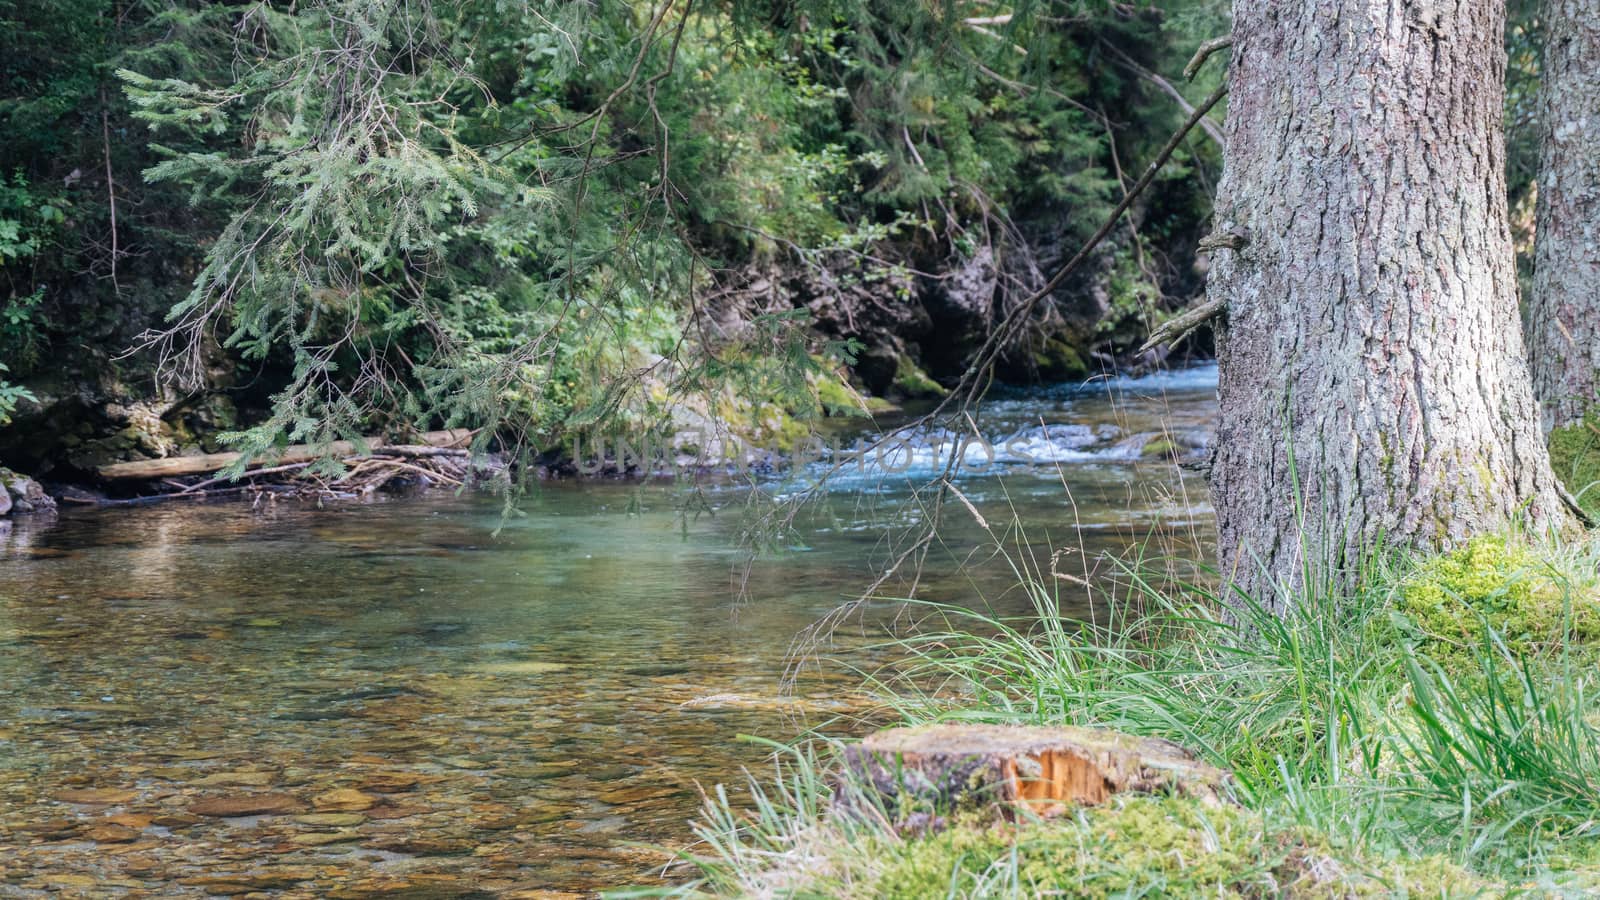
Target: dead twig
x=1204, y=53
x=1167, y=87
x=1177, y=327
x=271, y=470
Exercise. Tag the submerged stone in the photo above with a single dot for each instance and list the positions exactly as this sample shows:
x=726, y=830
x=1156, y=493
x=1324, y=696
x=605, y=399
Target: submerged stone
x=344, y=800
x=323, y=838
x=111, y=833
x=96, y=796
x=523, y=667
x=247, y=805
x=332, y=820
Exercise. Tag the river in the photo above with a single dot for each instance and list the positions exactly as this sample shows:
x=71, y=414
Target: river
x=424, y=697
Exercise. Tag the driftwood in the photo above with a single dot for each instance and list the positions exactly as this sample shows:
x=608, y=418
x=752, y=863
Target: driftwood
x=919, y=775
x=180, y=466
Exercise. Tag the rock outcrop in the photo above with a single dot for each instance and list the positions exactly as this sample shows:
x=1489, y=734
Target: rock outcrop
x=21, y=494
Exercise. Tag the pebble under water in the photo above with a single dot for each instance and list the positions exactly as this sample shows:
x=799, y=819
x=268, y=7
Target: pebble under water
x=425, y=698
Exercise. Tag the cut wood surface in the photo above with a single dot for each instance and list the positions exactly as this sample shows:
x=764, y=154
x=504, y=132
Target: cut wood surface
x=944, y=768
x=178, y=466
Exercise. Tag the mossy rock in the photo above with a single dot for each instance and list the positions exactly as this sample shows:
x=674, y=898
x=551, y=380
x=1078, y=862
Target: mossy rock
x=778, y=429
x=913, y=383
x=1059, y=361
x=1496, y=582
x=1149, y=847
x=838, y=398
x=766, y=426
x=1160, y=448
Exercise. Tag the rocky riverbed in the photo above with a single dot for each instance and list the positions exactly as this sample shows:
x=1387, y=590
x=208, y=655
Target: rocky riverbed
x=427, y=698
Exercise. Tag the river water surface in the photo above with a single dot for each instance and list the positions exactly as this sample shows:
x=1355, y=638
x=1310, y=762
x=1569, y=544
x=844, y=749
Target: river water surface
x=425, y=698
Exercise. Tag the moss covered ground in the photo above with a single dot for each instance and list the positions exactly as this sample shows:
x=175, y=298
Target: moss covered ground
x=1149, y=847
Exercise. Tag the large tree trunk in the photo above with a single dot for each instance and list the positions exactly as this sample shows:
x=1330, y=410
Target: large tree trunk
x=1373, y=390
x=1564, y=312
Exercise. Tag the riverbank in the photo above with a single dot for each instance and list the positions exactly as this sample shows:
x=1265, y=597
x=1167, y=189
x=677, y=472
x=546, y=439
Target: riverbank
x=1435, y=733
x=1127, y=421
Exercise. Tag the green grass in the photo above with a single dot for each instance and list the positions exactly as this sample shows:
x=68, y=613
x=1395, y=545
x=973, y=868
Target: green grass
x=1433, y=732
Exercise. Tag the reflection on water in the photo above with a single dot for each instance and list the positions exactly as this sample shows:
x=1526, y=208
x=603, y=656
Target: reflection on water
x=419, y=697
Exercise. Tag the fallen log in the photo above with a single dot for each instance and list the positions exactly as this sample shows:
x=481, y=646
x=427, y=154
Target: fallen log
x=920, y=776
x=179, y=466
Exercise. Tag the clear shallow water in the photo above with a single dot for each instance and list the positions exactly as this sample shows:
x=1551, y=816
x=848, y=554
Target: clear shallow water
x=433, y=701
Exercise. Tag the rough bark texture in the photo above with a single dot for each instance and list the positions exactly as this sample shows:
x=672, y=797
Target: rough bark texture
x=924, y=774
x=1373, y=389
x=1564, y=311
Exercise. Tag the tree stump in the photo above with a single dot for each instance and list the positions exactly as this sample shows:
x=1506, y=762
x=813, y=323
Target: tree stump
x=919, y=776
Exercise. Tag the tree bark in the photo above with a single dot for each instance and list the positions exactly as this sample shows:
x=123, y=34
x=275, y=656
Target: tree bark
x=1564, y=311
x=1372, y=385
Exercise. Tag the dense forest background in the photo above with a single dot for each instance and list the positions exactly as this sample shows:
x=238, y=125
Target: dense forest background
x=269, y=222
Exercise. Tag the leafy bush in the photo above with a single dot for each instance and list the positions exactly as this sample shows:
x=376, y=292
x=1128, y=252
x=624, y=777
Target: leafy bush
x=10, y=396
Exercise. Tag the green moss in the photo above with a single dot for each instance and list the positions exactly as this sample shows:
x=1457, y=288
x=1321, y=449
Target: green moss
x=778, y=429
x=1575, y=455
x=913, y=383
x=767, y=426
x=1496, y=582
x=838, y=398
x=1146, y=847
x=1059, y=361
x=1160, y=448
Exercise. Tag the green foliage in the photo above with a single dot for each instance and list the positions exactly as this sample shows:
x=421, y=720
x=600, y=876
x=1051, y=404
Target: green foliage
x=507, y=213
x=26, y=218
x=10, y=396
x=25, y=223
x=1134, y=298
x=391, y=257
x=1506, y=755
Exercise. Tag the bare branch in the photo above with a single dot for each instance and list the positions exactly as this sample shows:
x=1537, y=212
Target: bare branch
x=1204, y=53
x=1179, y=326
x=1167, y=88
x=111, y=189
